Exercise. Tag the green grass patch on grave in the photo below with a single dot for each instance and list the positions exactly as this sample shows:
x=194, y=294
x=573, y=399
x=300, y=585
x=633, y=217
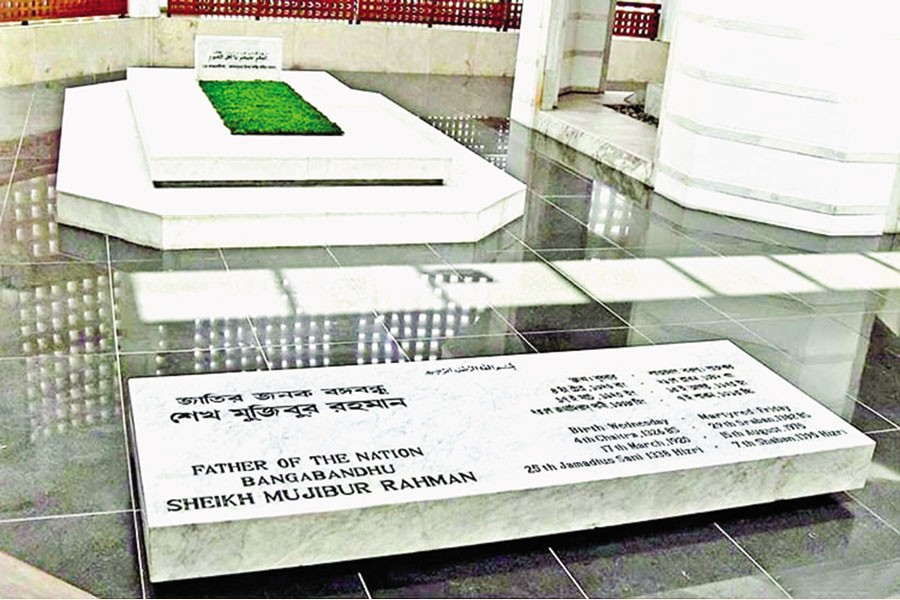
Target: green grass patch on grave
x=266, y=108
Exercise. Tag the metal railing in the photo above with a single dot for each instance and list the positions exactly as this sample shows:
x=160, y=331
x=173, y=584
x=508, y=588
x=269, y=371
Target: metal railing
x=341, y=10
x=496, y=14
x=33, y=10
x=637, y=19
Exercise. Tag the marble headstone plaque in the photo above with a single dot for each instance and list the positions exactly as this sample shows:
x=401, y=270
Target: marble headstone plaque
x=219, y=57
x=263, y=470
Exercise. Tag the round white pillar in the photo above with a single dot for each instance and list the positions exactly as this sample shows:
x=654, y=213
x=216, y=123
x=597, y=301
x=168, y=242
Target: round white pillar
x=781, y=112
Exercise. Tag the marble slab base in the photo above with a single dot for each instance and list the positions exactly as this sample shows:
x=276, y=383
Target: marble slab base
x=613, y=139
x=104, y=184
x=184, y=139
x=251, y=471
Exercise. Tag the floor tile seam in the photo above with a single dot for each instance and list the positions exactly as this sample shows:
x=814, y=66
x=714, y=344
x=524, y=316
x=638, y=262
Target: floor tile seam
x=489, y=305
x=365, y=587
x=781, y=291
x=100, y=513
x=662, y=222
x=280, y=283
x=879, y=431
x=826, y=288
x=682, y=323
x=755, y=563
x=12, y=173
x=856, y=401
x=884, y=431
x=856, y=331
x=51, y=355
x=748, y=227
x=375, y=314
x=52, y=263
x=861, y=403
x=765, y=342
x=116, y=262
x=514, y=329
x=77, y=260
x=574, y=330
x=176, y=351
x=333, y=344
x=708, y=304
x=590, y=249
x=800, y=316
x=28, y=156
x=638, y=331
x=706, y=244
x=867, y=311
x=258, y=343
x=568, y=573
x=466, y=336
x=565, y=278
x=587, y=226
x=397, y=343
x=868, y=254
x=874, y=514
x=569, y=280
x=555, y=163
x=124, y=410
x=562, y=196
x=249, y=318
x=435, y=253
x=699, y=283
x=727, y=317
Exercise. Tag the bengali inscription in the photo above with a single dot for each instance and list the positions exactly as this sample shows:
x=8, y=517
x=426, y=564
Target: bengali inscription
x=259, y=412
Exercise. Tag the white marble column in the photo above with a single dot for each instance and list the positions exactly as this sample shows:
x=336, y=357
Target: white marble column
x=586, y=35
x=667, y=16
x=562, y=48
x=783, y=112
x=538, y=59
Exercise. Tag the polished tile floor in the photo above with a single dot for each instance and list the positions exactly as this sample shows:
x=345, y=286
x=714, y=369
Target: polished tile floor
x=597, y=261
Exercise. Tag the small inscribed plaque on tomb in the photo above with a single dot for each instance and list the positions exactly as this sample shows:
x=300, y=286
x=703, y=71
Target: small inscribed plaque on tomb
x=241, y=58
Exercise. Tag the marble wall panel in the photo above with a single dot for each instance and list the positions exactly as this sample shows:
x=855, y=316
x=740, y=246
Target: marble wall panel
x=495, y=53
x=16, y=64
x=46, y=51
x=340, y=46
x=637, y=60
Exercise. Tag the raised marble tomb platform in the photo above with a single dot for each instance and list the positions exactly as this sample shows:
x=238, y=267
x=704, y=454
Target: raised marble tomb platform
x=148, y=160
x=190, y=144
x=251, y=471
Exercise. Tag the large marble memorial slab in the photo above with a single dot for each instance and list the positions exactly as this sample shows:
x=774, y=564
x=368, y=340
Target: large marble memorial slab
x=252, y=471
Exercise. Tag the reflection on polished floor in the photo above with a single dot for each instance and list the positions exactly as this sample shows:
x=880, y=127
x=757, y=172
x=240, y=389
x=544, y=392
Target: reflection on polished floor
x=597, y=261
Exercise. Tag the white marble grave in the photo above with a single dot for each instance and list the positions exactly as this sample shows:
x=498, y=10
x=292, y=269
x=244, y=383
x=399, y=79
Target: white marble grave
x=107, y=175
x=185, y=141
x=237, y=58
x=251, y=471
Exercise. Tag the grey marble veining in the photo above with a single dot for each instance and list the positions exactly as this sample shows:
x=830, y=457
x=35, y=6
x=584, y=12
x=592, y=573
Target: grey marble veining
x=615, y=140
